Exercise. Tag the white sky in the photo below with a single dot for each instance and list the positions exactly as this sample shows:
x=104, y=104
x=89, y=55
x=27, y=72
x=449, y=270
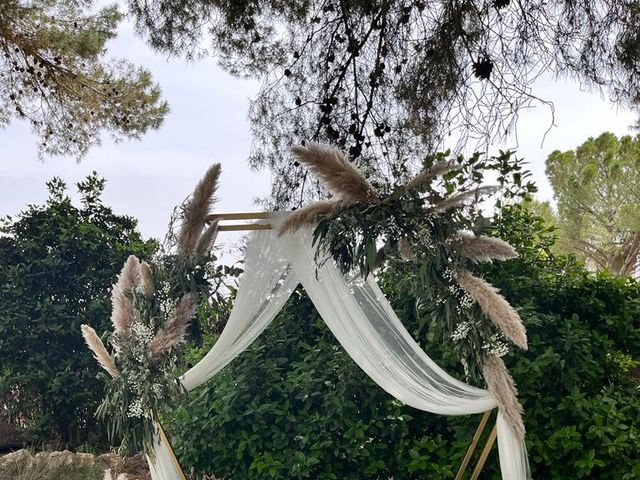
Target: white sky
x=208, y=123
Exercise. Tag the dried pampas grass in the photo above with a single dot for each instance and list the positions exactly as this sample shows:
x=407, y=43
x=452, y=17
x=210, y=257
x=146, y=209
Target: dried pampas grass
x=483, y=248
x=174, y=330
x=304, y=216
x=494, y=306
x=334, y=169
x=207, y=239
x=146, y=279
x=456, y=200
x=121, y=306
x=99, y=351
x=108, y=476
x=424, y=178
x=503, y=388
x=197, y=209
x=405, y=250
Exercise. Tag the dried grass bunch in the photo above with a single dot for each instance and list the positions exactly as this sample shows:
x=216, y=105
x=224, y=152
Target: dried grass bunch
x=503, y=388
x=494, y=306
x=153, y=304
x=334, y=169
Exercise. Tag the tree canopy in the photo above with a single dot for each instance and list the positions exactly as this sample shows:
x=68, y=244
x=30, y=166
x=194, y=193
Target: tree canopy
x=388, y=80
x=54, y=74
x=57, y=264
x=597, y=187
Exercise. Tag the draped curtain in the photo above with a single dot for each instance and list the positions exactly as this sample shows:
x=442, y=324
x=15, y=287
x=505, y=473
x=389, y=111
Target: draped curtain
x=364, y=323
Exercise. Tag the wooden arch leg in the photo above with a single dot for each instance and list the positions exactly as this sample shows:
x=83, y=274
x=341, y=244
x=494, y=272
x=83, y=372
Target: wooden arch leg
x=473, y=445
x=485, y=453
x=174, y=460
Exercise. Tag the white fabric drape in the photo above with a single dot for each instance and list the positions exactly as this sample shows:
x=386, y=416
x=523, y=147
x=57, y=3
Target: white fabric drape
x=264, y=289
x=161, y=466
x=363, y=322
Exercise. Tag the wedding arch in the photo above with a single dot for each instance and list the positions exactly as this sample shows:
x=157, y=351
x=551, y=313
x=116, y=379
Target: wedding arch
x=362, y=320
x=330, y=247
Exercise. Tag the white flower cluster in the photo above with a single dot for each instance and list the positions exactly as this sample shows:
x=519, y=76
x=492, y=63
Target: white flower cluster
x=135, y=409
x=143, y=332
x=448, y=274
x=466, y=301
x=496, y=346
x=465, y=366
x=143, y=335
x=461, y=331
x=157, y=390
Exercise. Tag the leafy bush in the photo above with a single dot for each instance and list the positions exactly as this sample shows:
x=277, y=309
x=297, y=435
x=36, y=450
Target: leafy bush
x=57, y=264
x=581, y=406
x=295, y=406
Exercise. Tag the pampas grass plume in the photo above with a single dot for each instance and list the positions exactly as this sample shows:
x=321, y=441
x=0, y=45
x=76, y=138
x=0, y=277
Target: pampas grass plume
x=503, y=388
x=334, y=169
x=174, y=330
x=207, y=239
x=304, y=216
x=422, y=179
x=197, y=209
x=483, y=248
x=146, y=279
x=495, y=307
x=99, y=351
x=456, y=200
x=121, y=306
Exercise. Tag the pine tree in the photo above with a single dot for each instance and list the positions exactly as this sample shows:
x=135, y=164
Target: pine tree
x=55, y=75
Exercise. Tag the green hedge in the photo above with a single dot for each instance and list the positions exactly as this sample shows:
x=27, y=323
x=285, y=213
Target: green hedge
x=295, y=406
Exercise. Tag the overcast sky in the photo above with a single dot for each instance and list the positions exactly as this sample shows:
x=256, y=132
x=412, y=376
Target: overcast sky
x=208, y=123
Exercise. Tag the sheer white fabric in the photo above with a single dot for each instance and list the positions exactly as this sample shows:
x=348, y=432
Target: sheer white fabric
x=264, y=289
x=363, y=322
x=161, y=466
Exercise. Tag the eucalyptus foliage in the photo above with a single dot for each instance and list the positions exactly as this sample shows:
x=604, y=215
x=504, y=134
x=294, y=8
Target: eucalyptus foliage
x=144, y=384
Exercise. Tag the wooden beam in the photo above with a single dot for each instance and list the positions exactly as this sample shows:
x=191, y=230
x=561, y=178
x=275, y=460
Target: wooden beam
x=239, y=216
x=474, y=443
x=485, y=453
x=244, y=227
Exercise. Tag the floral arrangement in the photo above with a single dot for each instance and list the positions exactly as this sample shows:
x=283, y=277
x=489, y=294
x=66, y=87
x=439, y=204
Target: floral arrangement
x=432, y=221
x=153, y=305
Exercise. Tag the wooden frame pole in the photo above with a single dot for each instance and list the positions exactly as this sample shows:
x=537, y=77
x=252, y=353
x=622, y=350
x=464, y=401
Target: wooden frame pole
x=239, y=216
x=174, y=460
x=485, y=453
x=473, y=445
x=244, y=227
